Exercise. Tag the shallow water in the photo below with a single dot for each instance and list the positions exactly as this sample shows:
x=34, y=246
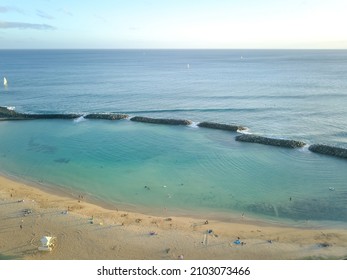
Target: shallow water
x=299, y=95
x=182, y=169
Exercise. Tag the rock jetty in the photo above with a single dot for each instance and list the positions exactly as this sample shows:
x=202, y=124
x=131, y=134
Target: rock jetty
x=6, y=114
x=328, y=150
x=111, y=117
x=269, y=141
x=161, y=121
x=221, y=126
x=50, y=116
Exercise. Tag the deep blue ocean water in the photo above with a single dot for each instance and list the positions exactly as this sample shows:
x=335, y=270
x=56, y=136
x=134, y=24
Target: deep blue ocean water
x=299, y=95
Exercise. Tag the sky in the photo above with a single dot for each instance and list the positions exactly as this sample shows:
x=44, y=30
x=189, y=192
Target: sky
x=141, y=24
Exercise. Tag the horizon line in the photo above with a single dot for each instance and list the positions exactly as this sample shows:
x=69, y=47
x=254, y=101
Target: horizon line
x=331, y=49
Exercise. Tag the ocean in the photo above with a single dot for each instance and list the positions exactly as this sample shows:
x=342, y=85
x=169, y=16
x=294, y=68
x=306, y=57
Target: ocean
x=184, y=170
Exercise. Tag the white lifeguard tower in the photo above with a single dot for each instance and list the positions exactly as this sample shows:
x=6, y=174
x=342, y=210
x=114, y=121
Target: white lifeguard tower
x=46, y=243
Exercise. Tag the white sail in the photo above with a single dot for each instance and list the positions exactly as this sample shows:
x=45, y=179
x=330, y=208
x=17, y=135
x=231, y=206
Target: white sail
x=5, y=82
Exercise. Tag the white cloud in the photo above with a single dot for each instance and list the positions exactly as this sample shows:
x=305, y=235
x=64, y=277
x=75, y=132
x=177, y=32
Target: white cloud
x=66, y=12
x=43, y=14
x=7, y=9
x=24, y=25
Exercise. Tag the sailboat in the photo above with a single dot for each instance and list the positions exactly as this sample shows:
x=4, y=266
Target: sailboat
x=5, y=82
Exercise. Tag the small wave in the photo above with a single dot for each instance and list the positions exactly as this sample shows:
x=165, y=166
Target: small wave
x=187, y=110
x=244, y=131
x=275, y=96
x=79, y=119
x=11, y=108
x=305, y=149
x=194, y=125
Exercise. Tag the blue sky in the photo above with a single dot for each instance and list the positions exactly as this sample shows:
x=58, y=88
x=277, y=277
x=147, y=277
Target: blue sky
x=173, y=24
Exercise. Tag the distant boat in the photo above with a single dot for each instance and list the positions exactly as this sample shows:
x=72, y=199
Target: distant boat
x=5, y=82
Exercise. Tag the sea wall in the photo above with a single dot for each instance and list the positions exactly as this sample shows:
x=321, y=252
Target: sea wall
x=161, y=121
x=269, y=141
x=329, y=150
x=221, y=126
x=111, y=117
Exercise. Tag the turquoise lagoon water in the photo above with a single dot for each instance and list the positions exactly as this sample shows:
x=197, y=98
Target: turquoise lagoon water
x=184, y=170
x=293, y=94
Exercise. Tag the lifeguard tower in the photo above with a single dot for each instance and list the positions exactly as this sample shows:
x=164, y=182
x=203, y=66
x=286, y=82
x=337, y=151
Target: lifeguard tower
x=46, y=243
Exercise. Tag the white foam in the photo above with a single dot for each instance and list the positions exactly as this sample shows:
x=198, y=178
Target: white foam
x=305, y=149
x=244, y=131
x=79, y=119
x=11, y=108
x=194, y=125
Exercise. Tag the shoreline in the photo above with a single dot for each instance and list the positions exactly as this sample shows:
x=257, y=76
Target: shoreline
x=236, y=216
x=86, y=231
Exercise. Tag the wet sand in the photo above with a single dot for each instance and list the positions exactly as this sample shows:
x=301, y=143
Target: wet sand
x=84, y=231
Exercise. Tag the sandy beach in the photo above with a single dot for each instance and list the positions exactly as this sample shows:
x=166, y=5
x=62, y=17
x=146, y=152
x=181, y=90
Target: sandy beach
x=84, y=231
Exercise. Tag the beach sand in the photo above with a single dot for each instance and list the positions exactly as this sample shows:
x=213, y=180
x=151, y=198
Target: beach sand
x=84, y=231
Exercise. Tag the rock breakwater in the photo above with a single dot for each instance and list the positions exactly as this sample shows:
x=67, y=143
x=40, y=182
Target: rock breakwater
x=161, y=121
x=7, y=114
x=221, y=126
x=329, y=150
x=270, y=141
x=111, y=117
